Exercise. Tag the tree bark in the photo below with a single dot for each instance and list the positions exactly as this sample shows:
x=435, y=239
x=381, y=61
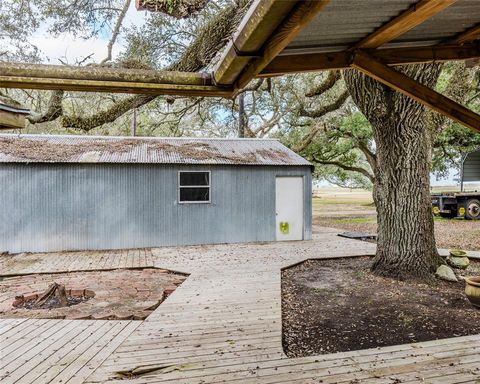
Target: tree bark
x=406, y=242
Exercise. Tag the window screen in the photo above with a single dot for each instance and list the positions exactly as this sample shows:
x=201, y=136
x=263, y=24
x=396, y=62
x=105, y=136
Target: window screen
x=194, y=187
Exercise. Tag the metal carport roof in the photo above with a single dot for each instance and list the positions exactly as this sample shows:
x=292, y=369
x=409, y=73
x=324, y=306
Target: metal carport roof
x=344, y=22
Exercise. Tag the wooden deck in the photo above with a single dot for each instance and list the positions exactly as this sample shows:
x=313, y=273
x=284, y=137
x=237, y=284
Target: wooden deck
x=223, y=324
x=53, y=262
x=57, y=351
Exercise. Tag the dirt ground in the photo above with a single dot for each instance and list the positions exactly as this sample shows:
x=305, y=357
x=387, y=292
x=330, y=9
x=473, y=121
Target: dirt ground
x=120, y=294
x=354, y=211
x=339, y=305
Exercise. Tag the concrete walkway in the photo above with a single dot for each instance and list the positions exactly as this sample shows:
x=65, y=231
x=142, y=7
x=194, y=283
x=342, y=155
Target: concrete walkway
x=223, y=324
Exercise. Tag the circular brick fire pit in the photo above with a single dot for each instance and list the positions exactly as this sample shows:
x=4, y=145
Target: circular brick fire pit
x=120, y=294
x=56, y=296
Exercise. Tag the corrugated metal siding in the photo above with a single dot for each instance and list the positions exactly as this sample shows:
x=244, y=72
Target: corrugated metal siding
x=471, y=167
x=65, y=207
x=144, y=150
x=345, y=22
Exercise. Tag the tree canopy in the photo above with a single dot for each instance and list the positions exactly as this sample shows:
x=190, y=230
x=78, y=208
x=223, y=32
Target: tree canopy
x=312, y=113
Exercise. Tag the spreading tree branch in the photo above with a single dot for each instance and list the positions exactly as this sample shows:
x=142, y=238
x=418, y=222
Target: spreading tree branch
x=179, y=9
x=345, y=167
x=327, y=84
x=369, y=155
x=266, y=127
x=200, y=53
x=54, y=109
x=324, y=109
x=458, y=89
x=362, y=145
x=114, y=112
x=308, y=138
x=116, y=31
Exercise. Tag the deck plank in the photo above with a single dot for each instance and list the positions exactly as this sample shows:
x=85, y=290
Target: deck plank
x=223, y=324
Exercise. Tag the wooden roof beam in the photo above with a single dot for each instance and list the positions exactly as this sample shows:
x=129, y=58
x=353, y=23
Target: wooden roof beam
x=417, y=14
x=468, y=36
x=99, y=79
x=104, y=74
x=417, y=91
x=261, y=20
x=312, y=62
x=112, y=87
x=298, y=19
x=10, y=120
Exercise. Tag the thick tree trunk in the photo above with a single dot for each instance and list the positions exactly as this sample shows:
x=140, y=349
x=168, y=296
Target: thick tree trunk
x=406, y=242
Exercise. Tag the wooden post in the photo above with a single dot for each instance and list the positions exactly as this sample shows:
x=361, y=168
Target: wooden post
x=241, y=115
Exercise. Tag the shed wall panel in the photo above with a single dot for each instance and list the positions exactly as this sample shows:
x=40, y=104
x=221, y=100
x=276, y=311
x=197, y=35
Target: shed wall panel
x=50, y=207
x=471, y=167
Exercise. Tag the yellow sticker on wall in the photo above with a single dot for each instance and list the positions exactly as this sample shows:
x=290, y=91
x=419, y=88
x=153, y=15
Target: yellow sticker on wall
x=284, y=228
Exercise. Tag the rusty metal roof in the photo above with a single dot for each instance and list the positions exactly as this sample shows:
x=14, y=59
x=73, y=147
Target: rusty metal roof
x=344, y=22
x=144, y=150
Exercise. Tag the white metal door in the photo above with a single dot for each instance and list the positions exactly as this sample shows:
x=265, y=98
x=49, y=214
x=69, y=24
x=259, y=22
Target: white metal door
x=289, y=208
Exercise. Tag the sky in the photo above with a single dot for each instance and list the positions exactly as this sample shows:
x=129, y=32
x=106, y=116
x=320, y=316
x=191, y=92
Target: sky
x=449, y=180
x=72, y=49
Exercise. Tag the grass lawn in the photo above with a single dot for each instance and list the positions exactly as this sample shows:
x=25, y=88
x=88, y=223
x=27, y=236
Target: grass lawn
x=354, y=211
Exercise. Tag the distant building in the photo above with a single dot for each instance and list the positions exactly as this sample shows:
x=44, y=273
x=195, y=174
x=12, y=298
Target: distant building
x=84, y=192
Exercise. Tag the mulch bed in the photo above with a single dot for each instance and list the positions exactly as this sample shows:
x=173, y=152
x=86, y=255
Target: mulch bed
x=339, y=305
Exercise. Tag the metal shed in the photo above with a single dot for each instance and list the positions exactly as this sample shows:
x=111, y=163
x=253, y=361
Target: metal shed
x=85, y=192
x=471, y=167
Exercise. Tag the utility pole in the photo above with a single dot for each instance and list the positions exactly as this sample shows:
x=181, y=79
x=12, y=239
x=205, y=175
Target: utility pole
x=134, y=122
x=241, y=115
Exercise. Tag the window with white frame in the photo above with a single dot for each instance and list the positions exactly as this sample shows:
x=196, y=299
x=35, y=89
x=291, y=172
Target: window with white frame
x=194, y=186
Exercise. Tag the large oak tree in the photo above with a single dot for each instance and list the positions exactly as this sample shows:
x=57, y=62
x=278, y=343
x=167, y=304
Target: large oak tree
x=406, y=241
